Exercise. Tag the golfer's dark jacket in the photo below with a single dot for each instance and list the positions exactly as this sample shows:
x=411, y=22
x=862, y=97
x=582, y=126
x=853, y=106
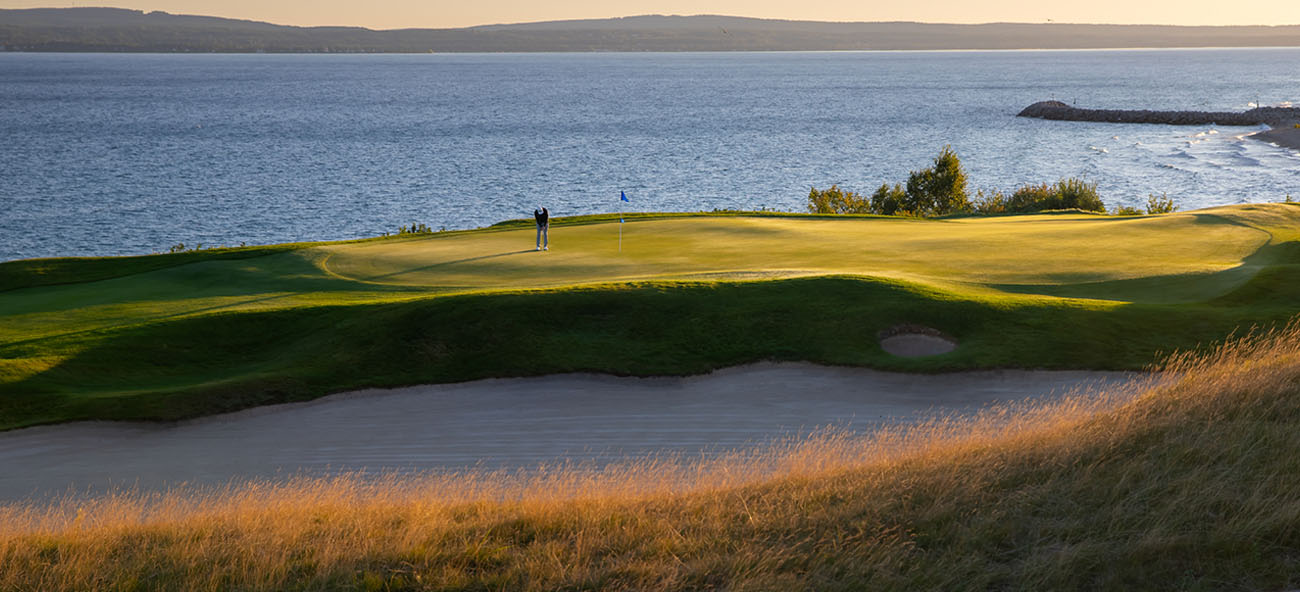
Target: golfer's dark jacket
x=542, y=217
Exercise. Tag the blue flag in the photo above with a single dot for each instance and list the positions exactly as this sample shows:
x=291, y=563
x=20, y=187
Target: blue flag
x=623, y=196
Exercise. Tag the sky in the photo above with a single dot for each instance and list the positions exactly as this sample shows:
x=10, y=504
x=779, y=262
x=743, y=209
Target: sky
x=395, y=14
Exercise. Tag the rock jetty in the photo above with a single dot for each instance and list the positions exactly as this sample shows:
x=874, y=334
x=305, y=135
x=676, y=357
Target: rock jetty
x=1271, y=116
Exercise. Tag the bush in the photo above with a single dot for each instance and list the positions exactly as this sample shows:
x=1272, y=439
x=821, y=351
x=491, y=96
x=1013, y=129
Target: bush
x=1160, y=205
x=1063, y=195
x=183, y=248
x=1076, y=193
x=1126, y=211
x=837, y=201
x=991, y=203
x=415, y=228
x=888, y=200
x=1031, y=198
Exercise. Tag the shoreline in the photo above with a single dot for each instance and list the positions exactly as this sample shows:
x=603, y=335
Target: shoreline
x=1285, y=137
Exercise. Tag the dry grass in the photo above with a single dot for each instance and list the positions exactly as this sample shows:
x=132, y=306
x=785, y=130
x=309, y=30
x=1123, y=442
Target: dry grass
x=1192, y=482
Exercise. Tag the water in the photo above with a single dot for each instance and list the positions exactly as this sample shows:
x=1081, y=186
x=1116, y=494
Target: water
x=122, y=154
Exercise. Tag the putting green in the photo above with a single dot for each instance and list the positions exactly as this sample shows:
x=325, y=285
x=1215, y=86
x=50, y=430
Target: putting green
x=1048, y=251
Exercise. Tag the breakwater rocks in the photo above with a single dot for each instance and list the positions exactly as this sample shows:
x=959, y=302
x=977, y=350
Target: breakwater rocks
x=1272, y=116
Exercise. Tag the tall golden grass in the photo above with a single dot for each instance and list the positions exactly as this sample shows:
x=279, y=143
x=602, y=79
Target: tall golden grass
x=1188, y=479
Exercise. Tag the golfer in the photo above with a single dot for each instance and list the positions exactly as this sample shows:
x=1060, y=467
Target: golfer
x=543, y=218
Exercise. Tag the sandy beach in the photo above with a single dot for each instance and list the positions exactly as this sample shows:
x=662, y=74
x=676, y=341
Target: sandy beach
x=506, y=423
x=1287, y=137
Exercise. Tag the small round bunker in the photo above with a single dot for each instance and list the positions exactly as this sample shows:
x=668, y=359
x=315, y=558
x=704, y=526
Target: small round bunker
x=915, y=341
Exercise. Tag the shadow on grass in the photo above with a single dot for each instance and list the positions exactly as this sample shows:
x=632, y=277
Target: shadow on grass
x=440, y=264
x=1256, y=275
x=221, y=362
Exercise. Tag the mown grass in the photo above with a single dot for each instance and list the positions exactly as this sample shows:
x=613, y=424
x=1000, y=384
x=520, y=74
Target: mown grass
x=1185, y=482
x=249, y=359
x=188, y=334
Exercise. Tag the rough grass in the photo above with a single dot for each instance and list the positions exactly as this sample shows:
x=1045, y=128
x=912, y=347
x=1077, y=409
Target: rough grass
x=1183, y=483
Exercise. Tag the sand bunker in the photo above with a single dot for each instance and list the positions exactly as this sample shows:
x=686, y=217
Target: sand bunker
x=502, y=423
x=914, y=341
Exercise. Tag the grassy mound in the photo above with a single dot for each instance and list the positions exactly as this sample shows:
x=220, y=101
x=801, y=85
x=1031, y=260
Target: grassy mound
x=1187, y=484
x=172, y=336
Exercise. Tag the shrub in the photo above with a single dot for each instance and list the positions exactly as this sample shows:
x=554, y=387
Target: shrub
x=1077, y=193
x=889, y=200
x=183, y=248
x=991, y=203
x=1031, y=198
x=415, y=228
x=1160, y=205
x=1126, y=211
x=837, y=201
x=1063, y=195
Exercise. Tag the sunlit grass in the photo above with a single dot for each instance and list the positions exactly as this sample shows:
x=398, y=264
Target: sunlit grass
x=187, y=334
x=1186, y=480
x=1202, y=254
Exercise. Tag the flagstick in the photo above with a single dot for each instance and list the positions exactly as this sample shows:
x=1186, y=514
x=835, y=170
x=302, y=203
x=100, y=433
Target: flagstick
x=620, y=229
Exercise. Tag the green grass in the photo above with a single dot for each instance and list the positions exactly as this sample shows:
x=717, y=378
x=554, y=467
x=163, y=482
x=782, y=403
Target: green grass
x=172, y=336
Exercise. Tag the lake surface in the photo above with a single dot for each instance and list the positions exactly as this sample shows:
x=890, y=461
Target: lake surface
x=122, y=154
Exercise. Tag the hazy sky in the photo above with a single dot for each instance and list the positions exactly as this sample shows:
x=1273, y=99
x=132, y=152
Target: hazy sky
x=391, y=14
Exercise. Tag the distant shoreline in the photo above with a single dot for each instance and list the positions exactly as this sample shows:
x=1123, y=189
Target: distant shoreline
x=121, y=30
x=4, y=51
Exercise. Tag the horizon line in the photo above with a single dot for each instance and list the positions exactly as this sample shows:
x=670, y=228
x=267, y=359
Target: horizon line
x=659, y=15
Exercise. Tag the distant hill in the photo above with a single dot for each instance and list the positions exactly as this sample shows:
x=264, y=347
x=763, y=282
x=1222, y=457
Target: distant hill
x=119, y=30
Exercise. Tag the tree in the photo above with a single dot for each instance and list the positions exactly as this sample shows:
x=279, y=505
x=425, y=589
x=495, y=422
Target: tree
x=935, y=191
x=938, y=190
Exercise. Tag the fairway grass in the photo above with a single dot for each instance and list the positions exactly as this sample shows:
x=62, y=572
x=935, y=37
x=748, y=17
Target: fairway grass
x=179, y=335
x=1185, y=482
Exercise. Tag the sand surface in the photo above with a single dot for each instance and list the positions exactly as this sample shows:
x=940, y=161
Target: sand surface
x=507, y=423
x=1286, y=137
x=916, y=345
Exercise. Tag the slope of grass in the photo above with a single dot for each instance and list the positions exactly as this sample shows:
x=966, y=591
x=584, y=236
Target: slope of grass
x=180, y=335
x=1186, y=484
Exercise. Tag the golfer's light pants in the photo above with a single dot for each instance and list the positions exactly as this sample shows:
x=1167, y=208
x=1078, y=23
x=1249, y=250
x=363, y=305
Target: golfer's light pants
x=542, y=239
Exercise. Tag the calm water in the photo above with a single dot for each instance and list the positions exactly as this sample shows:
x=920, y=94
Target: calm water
x=118, y=154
